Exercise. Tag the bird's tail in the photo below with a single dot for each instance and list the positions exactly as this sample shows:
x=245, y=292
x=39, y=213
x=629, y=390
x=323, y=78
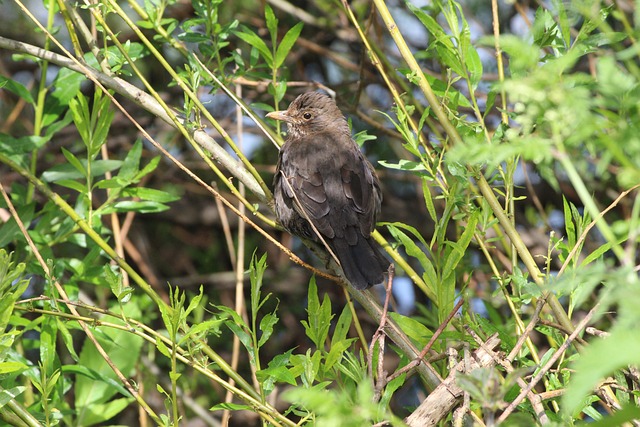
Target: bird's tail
x=362, y=263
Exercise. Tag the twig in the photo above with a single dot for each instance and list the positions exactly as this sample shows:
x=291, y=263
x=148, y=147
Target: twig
x=426, y=349
x=544, y=369
x=525, y=334
x=536, y=401
x=379, y=336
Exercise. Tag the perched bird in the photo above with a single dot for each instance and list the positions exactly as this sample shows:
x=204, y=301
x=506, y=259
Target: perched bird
x=323, y=177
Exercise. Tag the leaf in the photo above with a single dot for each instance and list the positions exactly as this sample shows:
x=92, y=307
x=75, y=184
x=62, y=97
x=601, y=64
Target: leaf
x=266, y=326
x=253, y=40
x=460, y=247
x=73, y=161
x=317, y=328
x=8, y=367
x=67, y=171
x=131, y=164
x=277, y=371
x=342, y=326
x=231, y=407
x=405, y=165
x=150, y=194
x=287, y=43
x=25, y=144
x=17, y=88
x=428, y=200
x=67, y=86
x=7, y=395
x=272, y=23
x=415, y=251
x=620, y=417
x=74, y=185
x=256, y=272
x=597, y=362
x=336, y=352
x=150, y=167
x=67, y=339
x=474, y=65
x=101, y=412
x=415, y=330
x=430, y=24
x=133, y=206
x=99, y=384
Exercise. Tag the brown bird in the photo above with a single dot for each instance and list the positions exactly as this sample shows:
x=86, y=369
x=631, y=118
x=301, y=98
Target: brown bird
x=323, y=177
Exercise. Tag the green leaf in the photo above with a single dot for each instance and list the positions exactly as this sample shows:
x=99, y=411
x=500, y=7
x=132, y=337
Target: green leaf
x=317, y=328
x=336, y=352
x=460, y=247
x=67, y=86
x=254, y=40
x=73, y=161
x=272, y=23
x=133, y=206
x=7, y=395
x=266, y=326
x=99, y=384
x=412, y=249
x=450, y=59
x=597, y=362
x=150, y=167
x=10, y=231
x=17, y=88
x=101, y=412
x=404, y=165
x=415, y=330
x=150, y=194
x=430, y=24
x=23, y=145
x=620, y=417
x=131, y=163
x=342, y=326
x=67, y=339
x=12, y=286
x=428, y=200
x=8, y=367
x=231, y=407
x=473, y=64
x=67, y=171
x=276, y=371
x=287, y=43
x=209, y=327
x=74, y=185
x=256, y=272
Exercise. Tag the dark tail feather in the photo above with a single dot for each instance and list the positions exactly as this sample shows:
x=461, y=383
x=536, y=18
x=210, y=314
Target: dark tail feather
x=362, y=263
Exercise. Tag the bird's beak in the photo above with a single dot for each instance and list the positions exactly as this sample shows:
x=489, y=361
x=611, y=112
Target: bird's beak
x=280, y=115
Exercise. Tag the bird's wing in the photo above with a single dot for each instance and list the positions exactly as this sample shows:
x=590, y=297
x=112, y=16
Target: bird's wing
x=361, y=187
x=300, y=184
x=336, y=189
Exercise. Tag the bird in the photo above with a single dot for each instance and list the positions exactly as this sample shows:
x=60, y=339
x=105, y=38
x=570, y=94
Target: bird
x=325, y=190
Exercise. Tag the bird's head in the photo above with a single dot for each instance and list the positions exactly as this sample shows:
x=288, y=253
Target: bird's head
x=310, y=113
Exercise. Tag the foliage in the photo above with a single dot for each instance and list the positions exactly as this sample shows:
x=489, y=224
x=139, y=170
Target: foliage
x=96, y=216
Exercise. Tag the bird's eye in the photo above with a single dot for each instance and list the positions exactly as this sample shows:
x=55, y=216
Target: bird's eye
x=306, y=116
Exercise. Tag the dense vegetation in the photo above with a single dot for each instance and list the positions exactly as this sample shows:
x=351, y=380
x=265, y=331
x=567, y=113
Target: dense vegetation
x=144, y=280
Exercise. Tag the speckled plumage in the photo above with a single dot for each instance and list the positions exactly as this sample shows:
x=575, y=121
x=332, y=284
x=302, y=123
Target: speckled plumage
x=328, y=176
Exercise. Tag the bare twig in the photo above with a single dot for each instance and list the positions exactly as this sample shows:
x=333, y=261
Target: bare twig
x=426, y=348
x=379, y=336
x=544, y=369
